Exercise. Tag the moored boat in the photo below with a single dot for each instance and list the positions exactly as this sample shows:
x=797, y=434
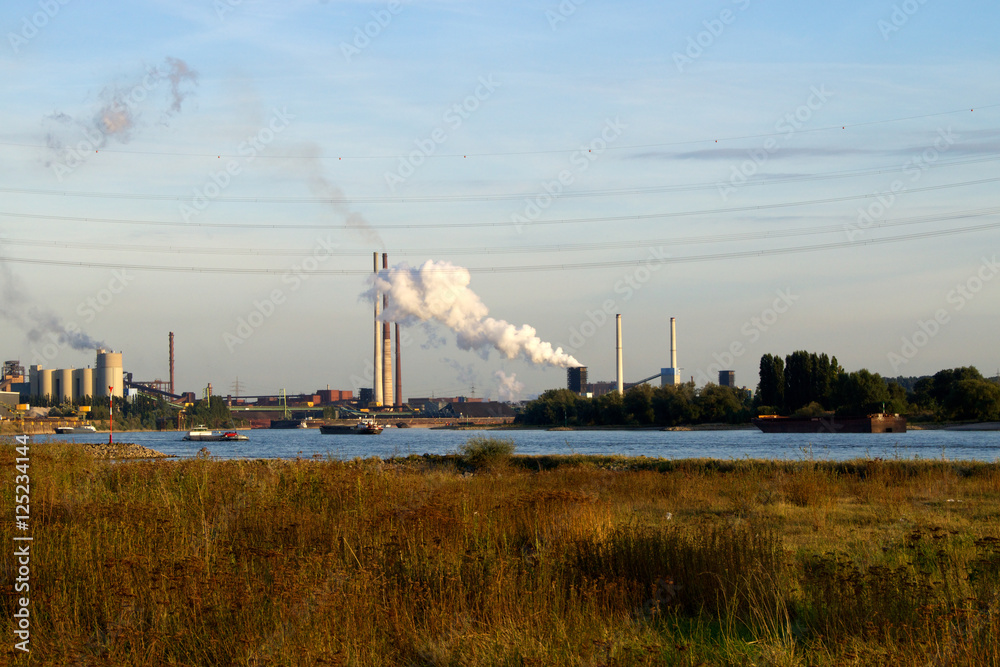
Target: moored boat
x=69, y=430
x=874, y=423
x=363, y=427
x=205, y=434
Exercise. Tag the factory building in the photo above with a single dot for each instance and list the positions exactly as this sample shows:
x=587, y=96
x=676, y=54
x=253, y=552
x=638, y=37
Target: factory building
x=70, y=384
x=576, y=379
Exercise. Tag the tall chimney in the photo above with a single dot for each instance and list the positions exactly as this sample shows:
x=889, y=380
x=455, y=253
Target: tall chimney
x=399, y=371
x=621, y=370
x=673, y=350
x=386, y=347
x=377, y=398
x=172, y=363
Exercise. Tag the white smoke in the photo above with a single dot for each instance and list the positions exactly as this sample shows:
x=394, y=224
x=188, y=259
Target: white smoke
x=509, y=387
x=440, y=291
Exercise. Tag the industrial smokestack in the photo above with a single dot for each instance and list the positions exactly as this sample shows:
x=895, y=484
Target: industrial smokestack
x=673, y=345
x=386, y=346
x=399, y=371
x=621, y=370
x=172, y=363
x=377, y=398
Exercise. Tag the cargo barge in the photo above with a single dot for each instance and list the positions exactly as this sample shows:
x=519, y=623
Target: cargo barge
x=874, y=423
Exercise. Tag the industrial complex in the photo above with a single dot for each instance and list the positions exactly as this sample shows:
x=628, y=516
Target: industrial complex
x=109, y=379
x=577, y=377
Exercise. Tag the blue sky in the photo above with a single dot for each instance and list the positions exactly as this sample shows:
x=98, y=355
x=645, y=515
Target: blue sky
x=736, y=149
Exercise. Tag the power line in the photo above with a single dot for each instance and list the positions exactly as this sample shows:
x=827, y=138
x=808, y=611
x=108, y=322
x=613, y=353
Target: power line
x=479, y=197
x=468, y=250
x=523, y=268
x=509, y=223
x=689, y=142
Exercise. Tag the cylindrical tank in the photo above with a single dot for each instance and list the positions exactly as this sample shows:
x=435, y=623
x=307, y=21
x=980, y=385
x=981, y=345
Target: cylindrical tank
x=109, y=373
x=83, y=382
x=34, y=379
x=45, y=382
x=63, y=381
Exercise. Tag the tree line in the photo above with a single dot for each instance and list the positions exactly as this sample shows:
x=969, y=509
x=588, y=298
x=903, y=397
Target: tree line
x=641, y=405
x=809, y=383
x=801, y=383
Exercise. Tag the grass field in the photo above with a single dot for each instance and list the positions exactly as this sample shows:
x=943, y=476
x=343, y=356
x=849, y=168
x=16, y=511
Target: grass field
x=487, y=559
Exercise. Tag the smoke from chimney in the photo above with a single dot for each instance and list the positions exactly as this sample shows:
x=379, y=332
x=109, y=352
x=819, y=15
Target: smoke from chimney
x=39, y=324
x=509, y=387
x=440, y=291
x=121, y=106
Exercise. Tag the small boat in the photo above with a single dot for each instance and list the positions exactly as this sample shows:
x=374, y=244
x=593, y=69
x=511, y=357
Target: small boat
x=402, y=425
x=363, y=427
x=69, y=430
x=204, y=434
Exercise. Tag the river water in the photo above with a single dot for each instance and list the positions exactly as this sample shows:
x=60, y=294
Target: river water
x=738, y=444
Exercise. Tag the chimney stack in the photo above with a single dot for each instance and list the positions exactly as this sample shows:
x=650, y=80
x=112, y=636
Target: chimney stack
x=377, y=398
x=399, y=371
x=172, y=364
x=673, y=345
x=621, y=370
x=386, y=347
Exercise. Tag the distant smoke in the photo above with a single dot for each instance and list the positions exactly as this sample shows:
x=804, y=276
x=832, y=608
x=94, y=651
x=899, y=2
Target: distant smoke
x=323, y=188
x=38, y=324
x=440, y=291
x=70, y=139
x=465, y=373
x=509, y=387
x=179, y=74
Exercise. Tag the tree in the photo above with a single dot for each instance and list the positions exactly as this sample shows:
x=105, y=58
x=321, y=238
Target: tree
x=861, y=393
x=771, y=388
x=639, y=404
x=722, y=404
x=675, y=404
x=973, y=400
x=799, y=374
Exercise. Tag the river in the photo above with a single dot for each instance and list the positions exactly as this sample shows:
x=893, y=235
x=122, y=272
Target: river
x=734, y=444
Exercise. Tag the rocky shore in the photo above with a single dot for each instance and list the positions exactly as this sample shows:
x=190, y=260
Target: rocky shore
x=122, y=450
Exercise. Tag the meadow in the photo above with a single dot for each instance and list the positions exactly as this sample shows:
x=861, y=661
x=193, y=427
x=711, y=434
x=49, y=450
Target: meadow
x=483, y=558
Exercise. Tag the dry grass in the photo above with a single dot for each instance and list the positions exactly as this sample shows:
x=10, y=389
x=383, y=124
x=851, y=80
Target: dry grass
x=540, y=562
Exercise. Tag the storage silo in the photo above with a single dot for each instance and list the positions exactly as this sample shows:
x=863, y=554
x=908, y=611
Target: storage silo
x=34, y=379
x=44, y=382
x=62, y=381
x=83, y=382
x=109, y=372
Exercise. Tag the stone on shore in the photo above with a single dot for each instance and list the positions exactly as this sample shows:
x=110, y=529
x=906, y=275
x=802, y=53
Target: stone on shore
x=122, y=450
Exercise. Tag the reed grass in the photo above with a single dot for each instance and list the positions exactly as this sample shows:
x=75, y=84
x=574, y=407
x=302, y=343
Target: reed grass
x=547, y=561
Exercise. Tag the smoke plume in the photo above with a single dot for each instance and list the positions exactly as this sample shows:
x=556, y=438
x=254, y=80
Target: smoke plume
x=321, y=187
x=120, y=109
x=38, y=324
x=440, y=291
x=509, y=387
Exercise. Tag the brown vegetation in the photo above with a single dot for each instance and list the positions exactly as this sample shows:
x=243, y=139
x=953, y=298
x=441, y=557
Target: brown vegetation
x=542, y=561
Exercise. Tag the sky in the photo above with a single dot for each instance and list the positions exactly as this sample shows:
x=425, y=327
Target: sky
x=777, y=176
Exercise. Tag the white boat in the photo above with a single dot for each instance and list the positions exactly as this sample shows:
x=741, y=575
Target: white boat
x=69, y=430
x=205, y=434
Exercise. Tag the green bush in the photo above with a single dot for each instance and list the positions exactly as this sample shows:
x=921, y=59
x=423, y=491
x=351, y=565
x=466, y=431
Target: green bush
x=485, y=452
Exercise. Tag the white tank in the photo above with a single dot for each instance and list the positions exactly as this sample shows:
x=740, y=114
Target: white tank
x=62, y=379
x=110, y=372
x=45, y=382
x=83, y=382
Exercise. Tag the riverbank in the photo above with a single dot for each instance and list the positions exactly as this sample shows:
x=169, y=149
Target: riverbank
x=565, y=560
